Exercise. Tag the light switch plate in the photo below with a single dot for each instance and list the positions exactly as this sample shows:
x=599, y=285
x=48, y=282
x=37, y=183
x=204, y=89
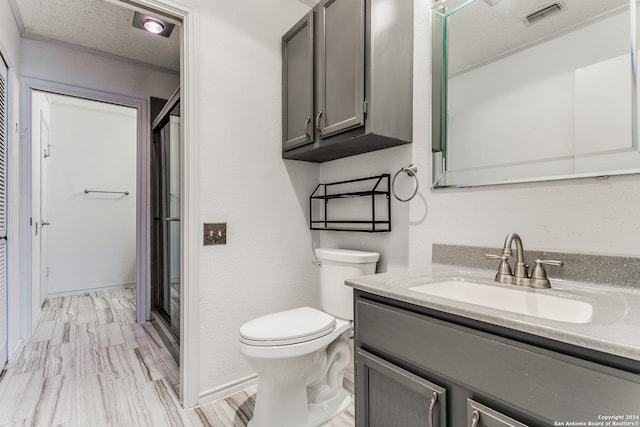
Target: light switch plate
x=215, y=233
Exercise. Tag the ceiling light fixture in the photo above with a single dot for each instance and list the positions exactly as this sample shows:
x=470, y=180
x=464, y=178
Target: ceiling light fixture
x=153, y=25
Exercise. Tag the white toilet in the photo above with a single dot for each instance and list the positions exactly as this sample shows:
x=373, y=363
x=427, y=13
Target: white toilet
x=300, y=354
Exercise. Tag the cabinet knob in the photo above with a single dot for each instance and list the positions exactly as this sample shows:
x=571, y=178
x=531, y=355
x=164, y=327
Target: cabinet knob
x=475, y=419
x=432, y=406
x=306, y=128
x=318, y=123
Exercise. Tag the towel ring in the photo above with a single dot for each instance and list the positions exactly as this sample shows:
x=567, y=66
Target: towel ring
x=411, y=170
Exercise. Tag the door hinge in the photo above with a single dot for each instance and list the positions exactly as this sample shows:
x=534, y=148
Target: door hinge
x=365, y=108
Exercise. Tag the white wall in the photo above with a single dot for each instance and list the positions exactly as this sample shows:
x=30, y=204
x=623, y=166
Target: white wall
x=92, y=237
x=266, y=264
x=10, y=50
x=582, y=215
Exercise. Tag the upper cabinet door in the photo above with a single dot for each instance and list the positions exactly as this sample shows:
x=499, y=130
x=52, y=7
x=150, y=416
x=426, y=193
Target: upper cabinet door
x=297, y=84
x=341, y=39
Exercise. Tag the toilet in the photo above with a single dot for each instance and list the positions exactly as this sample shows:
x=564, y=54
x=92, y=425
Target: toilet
x=300, y=355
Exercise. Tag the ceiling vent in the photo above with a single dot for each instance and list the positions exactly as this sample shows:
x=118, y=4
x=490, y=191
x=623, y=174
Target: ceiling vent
x=544, y=12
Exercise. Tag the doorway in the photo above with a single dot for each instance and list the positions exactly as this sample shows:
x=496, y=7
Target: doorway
x=186, y=17
x=84, y=195
x=165, y=223
x=76, y=178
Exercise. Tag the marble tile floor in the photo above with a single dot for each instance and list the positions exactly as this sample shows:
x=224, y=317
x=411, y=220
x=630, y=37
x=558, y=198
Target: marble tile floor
x=90, y=364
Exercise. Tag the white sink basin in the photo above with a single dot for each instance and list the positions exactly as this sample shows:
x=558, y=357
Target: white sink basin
x=515, y=300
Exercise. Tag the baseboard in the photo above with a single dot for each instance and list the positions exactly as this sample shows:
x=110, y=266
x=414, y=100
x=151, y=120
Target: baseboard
x=226, y=390
x=17, y=350
x=83, y=291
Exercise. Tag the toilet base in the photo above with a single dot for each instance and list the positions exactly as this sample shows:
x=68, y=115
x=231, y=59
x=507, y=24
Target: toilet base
x=322, y=412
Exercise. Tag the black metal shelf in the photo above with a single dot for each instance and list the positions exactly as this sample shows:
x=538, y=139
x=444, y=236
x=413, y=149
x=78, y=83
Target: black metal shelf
x=345, y=190
x=347, y=195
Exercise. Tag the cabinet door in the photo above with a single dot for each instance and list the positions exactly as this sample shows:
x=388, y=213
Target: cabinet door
x=481, y=416
x=297, y=84
x=340, y=66
x=387, y=395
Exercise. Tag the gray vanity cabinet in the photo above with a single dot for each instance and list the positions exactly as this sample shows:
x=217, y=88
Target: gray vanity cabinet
x=493, y=376
x=392, y=396
x=479, y=415
x=348, y=79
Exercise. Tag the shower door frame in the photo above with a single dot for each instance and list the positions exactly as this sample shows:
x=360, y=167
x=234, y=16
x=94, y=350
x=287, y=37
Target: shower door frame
x=163, y=216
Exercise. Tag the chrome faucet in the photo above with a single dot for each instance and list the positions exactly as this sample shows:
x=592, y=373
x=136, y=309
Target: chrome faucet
x=521, y=277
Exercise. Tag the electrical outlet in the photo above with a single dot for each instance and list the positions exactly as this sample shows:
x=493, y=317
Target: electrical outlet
x=215, y=233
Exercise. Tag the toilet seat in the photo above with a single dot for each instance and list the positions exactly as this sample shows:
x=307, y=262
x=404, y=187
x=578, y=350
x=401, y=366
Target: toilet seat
x=287, y=327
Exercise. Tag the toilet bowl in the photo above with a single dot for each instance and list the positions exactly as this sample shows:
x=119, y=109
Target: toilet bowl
x=300, y=355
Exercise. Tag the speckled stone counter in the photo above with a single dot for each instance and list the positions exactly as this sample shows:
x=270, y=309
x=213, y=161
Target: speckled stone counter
x=618, y=271
x=614, y=328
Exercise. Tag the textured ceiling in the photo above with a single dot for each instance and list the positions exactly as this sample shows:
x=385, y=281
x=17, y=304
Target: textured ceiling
x=101, y=26
x=479, y=33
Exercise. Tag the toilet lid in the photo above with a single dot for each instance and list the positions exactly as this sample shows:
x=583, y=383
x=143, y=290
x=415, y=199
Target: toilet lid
x=287, y=327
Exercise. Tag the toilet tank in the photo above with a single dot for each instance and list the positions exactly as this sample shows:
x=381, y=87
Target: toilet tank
x=337, y=266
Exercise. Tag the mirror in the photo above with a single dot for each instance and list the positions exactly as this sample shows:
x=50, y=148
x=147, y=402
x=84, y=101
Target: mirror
x=528, y=90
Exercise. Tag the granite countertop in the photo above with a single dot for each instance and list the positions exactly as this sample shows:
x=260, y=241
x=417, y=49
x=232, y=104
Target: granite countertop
x=614, y=328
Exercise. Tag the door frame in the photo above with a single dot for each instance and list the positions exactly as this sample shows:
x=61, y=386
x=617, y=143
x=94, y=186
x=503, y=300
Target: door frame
x=190, y=212
x=29, y=84
x=44, y=249
x=5, y=345
x=190, y=228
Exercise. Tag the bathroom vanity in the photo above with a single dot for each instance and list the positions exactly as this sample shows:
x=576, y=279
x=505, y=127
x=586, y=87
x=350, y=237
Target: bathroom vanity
x=424, y=360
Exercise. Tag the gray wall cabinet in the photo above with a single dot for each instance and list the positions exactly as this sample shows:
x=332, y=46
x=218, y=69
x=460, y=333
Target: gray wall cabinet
x=348, y=79
x=486, y=379
x=297, y=84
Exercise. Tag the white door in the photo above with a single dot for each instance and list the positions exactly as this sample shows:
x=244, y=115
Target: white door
x=45, y=153
x=40, y=111
x=3, y=213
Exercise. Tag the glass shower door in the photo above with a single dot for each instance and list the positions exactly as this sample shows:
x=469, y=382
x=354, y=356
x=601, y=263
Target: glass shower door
x=165, y=204
x=173, y=220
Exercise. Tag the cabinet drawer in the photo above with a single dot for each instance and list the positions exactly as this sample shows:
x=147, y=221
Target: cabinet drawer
x=480, y=416
x=387, y=395
x=538, y=383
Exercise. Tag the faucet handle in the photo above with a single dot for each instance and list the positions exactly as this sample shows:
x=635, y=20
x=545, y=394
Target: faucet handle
x=504, y=269
x=539, y=275
x=492, y=256
x=549, y=262
x=538, y=271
